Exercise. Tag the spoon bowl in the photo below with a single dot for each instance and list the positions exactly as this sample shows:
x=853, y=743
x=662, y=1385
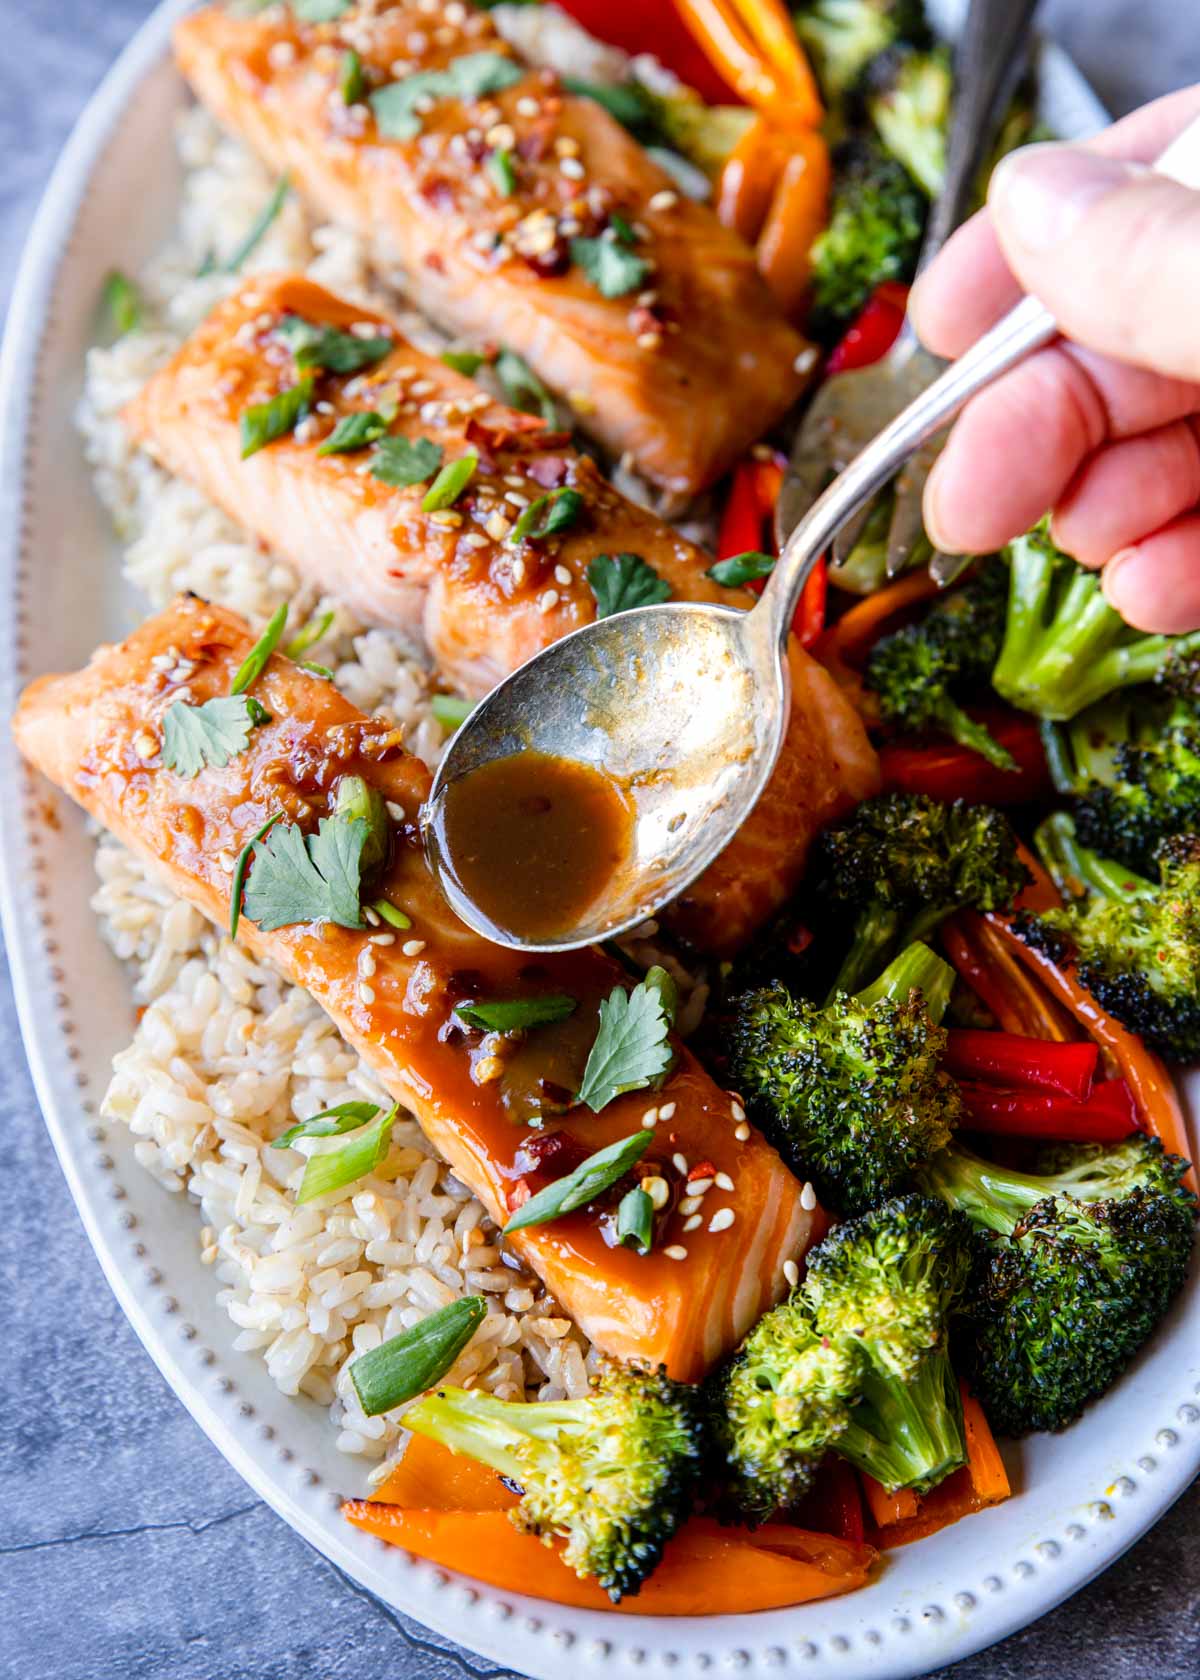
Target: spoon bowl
x=669, y=703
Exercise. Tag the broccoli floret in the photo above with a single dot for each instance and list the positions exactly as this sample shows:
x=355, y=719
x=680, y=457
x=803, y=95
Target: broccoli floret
x=613, y=1474
x=1072, y=1272
x=886, y=1284
x=853, y=1094
x=905, y=861
x=1133, y=770
x=908, y=95
x=876, y=221
x=842, y=36
x=1135, y=942
x=777, y=1405
x=920, y=673
x=1064, y=647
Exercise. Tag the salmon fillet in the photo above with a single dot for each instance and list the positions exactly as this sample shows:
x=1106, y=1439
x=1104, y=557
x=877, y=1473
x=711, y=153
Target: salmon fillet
x=97, y=734
x=673, y=350
x=454, y=578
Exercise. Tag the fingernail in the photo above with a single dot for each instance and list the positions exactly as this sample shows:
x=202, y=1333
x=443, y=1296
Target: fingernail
x=1112, y=583
x=1040, y=193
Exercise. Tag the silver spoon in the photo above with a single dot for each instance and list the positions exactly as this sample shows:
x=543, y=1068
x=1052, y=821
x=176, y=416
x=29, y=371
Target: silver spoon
x=686, y=704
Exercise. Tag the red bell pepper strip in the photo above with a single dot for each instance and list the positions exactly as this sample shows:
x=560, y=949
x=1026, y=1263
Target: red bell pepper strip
x=993, y=973
x=1106, y=1117
x=748, y=527
x=872, y=335
x=1014, y=1061
x=741, y=528
x=656, y=29
x=947, y=771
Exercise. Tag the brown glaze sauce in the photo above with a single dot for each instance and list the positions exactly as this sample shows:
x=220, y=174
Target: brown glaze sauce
x=533, y=840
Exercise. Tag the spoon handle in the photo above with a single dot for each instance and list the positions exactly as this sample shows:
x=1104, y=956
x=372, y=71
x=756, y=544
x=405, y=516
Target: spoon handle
x=1024, y=329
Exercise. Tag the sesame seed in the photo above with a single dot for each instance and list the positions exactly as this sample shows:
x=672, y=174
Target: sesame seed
x=675, y=1251
x=808, y=1198
x=548, y=600
x=486, y=1069
x=722, y=1219
x=679, y=1162
x=658, y=1190
x=372, y=918
x=395, y=811
x=501, y=135
x=689, y=1204
x=498, y=527
x=791, y=1272
x=145, y=746
x=516, y=499
x=742, y=1132
x=413, y=947
x=650, y=1118
x=693, y=1222
x=227, y=861
x=738, y=1112
x=723, y=1181
x=366, y=994
x=667, y=1111
x=474, y=539
x=281, y=54
x=699, y=1186
x=665, y=200
x=571, y=168
x=562, y=575
x=366, y=963
x=445, y=517
x=527, y=107
x=382, y=939
x=648, y=340
x=806, y=360
x=518, y=571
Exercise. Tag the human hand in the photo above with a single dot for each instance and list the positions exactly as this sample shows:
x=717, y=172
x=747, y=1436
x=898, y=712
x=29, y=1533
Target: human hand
x=1104, y=426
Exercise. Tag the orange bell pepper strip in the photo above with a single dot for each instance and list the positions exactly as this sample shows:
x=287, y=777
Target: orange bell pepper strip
x=431, y=1477
x=706, y=1570
x=749, y=176
x=753, y=45
x=855, y=633
x=989, y=1478
x=887, y=1508
x=798, y=213
x=981, y=1482
x=1019, y=1004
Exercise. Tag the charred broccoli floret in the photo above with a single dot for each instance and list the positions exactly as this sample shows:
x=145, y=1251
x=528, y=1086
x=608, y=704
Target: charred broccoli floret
x=1135, y=942
x=887, y=1284
x=1133, y=771
x=1064, y=647
x=905, y=861
x=907, y=93
x=843, y=36
x=922, y=672
x=853, y=1095
x=876, y=220
x=776, y=1407
x=1073, y=1270
x=613, y=1474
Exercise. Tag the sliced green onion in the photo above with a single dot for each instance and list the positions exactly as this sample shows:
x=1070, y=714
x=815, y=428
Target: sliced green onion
x=331, y=1122
x=588, y=1181
x=352, y=84
x=353, y=432
x=322, y=671
x=391, y=914
x=355, y=1159
x=503, y=174
x=450, y=483
x=464, y=361
x=252, y=666
x=556, y=511
x=265, y=422
x=239, y=873
x=122, y=302
x=451, y=711
x=512, y=1014
x=261, y=224
x=416, y=1359
x=308, y=634
x=742, y=568
x=522, y=387
x=635, y=1221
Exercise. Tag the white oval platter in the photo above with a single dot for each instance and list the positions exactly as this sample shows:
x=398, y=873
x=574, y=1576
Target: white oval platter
x=1080, y=1499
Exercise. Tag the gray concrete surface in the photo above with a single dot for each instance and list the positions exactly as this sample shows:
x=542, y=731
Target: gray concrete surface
x=129, y=1548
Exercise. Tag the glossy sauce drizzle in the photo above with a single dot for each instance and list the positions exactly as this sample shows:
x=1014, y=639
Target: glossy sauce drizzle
x=533, y=840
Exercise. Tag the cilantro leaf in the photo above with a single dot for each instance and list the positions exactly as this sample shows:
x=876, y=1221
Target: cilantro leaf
x=313, y=879
x=512, y=1014
x=195, y=737
x=320, y=11
x=633, y=1044
x=610, y=265
x=556, y=511
x=621, y=581
x=329, y=348
x=522, y=387
x=476, y=74
x=742, y=568
x=353, y=432
x=401, y=461
x=265, y=422
x=470, y=77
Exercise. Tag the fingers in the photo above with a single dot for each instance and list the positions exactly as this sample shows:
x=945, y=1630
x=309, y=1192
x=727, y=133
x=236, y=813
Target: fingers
x=1155, y=585
x=1018, y=446
x=970, y=285
x=1130, y=488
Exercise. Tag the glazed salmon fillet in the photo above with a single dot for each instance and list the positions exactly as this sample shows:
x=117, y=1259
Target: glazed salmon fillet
x=456, y=578
x=512, y=211
x=98, y=735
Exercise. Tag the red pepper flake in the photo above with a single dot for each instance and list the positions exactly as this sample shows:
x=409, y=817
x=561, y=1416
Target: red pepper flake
x=702, y=1169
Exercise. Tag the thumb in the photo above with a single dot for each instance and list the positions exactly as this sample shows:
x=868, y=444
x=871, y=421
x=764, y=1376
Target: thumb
x=1111, y=249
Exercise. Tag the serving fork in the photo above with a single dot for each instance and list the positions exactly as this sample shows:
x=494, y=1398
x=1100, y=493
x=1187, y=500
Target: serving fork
x=851, y=408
